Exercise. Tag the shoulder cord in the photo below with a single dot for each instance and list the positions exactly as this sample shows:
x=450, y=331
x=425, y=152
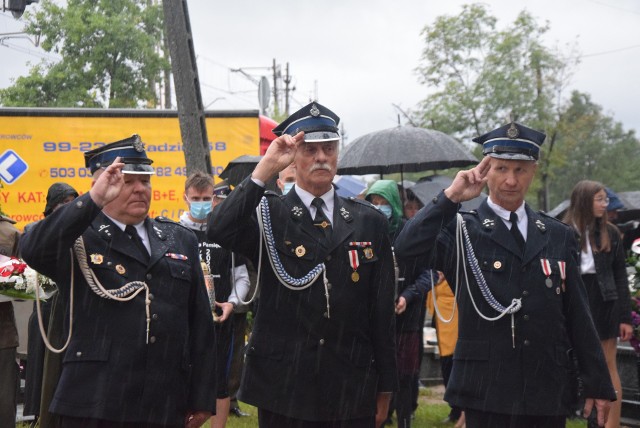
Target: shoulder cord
x=43, y=333
x=123, y=294
x=296, y=284
x=463, y=242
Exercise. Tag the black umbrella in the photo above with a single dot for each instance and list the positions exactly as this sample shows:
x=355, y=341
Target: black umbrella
x=428, y=187
x=403, y=149
x=240, y=168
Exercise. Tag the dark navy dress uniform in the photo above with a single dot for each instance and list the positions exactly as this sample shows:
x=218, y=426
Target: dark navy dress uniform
x=114, y=370
x=527, y=370
x=305, y=360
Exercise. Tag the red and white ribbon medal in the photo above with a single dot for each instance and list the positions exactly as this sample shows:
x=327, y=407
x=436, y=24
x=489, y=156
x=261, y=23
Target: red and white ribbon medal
x=563, y=273
x=354, y=262
x=546, y=269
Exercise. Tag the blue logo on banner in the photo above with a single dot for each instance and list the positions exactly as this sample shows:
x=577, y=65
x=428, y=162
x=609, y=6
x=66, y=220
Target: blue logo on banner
x=11, y=166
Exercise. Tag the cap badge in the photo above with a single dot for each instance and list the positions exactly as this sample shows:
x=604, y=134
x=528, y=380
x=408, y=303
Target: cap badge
x=512, y=132
x=138, y=145
x=314, y=111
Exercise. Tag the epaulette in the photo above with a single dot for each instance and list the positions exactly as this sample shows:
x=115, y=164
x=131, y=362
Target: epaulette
x=544, y=214
x=550, y=217
x=166, y=220
x=363, y=202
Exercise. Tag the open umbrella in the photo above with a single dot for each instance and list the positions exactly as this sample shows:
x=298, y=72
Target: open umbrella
x=239, y=168
x=428, y=187
x=348, y=186
x=403, y=149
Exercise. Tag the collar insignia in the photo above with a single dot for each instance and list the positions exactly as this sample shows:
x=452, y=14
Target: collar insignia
x=541, y=225
x=297, y=211
x=346, y=215
x=488, y=223
x=160, y=233
x=104, y=230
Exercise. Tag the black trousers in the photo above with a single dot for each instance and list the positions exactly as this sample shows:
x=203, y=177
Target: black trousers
x=267, y=419
x=479, y=419
x=71, y=422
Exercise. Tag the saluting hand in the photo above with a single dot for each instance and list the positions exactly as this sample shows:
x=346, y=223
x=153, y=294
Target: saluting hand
x=469, y=184
x=278, y=156
x=108, y=185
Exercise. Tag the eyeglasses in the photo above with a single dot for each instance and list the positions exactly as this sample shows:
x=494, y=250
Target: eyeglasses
x=601, y=200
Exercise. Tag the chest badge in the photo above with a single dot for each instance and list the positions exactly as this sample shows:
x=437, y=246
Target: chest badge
x=368, y=253
x=300, y=250
x=96, y=259
x=120, y=269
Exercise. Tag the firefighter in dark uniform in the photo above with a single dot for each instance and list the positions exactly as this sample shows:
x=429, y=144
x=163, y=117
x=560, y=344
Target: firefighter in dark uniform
x=523, y=313
x=321, y=353
x=141, y=350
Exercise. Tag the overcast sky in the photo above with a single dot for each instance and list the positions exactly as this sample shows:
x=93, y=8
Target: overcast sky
x=359, y=56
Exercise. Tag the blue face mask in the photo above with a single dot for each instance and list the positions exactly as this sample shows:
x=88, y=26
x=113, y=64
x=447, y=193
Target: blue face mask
x=199, y=210
x=386, y=210
x=287, y=188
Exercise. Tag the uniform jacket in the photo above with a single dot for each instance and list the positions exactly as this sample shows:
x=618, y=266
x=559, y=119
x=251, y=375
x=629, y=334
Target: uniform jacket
x=611, y=271
x=530, y=374
x=303, y=362
x=109, y=371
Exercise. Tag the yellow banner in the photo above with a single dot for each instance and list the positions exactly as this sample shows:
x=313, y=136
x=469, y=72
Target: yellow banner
x=37, y=151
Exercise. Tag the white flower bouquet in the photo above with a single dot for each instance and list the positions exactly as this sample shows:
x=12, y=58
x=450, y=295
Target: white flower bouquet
x=18, y=281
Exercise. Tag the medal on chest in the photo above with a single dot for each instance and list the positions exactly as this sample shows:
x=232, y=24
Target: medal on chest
x=354, y=262
x=546, y=269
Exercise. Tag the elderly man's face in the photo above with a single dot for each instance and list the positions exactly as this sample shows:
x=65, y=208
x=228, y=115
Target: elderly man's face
x=509, y=180
x=316, y=165
x=132, y=204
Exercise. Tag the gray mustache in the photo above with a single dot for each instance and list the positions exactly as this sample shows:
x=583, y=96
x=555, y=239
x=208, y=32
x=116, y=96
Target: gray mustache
x=318, y=166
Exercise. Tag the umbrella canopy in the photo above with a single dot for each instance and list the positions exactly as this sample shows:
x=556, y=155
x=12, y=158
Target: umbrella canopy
x=403, y=149
x=348, y=186
x=239, y=168
x=428, y=187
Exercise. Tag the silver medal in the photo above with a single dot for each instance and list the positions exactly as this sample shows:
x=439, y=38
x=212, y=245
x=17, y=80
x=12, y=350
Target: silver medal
x=548, y=282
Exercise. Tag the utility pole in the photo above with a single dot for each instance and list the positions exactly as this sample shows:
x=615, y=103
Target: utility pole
x=275, y=88
x=187, y=83
x=287, y=81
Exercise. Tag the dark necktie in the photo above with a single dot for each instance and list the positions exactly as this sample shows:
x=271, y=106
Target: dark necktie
x=515, y=231
x=320, y=220
x=135, y=238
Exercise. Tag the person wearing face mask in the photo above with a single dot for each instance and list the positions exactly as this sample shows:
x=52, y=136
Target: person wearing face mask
x=410, y=295
x=286, y=179
x=230, y=277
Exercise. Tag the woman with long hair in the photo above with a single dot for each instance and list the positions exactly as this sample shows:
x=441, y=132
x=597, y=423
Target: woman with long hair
x=603, y=269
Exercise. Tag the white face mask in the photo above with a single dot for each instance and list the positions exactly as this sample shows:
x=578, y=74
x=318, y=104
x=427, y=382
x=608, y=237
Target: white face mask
x=386, y=210
x=287, y=188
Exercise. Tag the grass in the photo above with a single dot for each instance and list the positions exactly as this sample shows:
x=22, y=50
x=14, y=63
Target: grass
x=431, y=412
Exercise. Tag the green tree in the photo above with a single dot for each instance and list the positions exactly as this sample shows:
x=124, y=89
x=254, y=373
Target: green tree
x=479, y=76
x=109, y=50
x=592, y=145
